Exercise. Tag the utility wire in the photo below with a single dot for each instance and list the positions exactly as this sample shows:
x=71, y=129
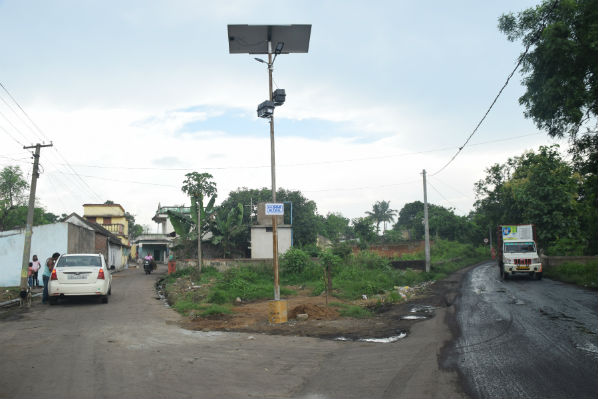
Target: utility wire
x=303, y=163
x=519, y=61
x=25, y=113
x=84, y=183
x=442, y=196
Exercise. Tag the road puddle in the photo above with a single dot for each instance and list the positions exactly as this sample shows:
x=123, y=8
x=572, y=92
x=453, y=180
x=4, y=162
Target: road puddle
x=422, y=309
x=387, y=340
x=413, y=317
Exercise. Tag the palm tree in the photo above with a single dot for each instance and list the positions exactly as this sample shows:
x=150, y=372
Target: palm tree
x=381, y=213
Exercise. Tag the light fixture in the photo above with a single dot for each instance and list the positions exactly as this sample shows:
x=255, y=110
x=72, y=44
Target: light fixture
x=259, y=60
x=279, y=96
x=265, y=109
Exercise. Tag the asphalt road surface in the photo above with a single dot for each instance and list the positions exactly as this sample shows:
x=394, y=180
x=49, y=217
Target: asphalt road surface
x=525, y=339
x=132, y=347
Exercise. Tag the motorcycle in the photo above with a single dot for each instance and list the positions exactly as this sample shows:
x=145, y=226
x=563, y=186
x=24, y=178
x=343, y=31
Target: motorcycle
x=147, y=266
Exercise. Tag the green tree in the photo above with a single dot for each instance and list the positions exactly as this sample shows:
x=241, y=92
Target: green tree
x=200, y=186
x=135, y=230
x=13, y=187
x=381, y=213
x=364, y=230
x=538, y=188
x=560, y=64
x=443, y=222
x=227, y=226
x=306, y=223
x=336, y=227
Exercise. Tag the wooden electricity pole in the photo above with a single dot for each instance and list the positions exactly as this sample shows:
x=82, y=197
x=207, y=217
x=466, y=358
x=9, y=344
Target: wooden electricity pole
x=29, y=227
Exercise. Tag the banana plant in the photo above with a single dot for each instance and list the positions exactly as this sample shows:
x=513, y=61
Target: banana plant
x=227, y=226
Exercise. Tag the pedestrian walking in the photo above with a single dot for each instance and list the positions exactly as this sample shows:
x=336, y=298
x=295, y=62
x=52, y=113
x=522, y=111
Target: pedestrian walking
x=36, y=266
x=47, y=272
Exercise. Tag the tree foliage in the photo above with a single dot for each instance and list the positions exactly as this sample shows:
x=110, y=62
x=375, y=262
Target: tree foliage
x=443, y=223
x=228, y=225
x=381, y=213
x=538, y=188
x=13, y=187
x=305, y=219
x=560, y=68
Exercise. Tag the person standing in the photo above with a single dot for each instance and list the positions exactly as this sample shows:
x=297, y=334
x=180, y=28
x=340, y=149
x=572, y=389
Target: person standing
x=30, y=274
x=47, y=272
x=36, y=266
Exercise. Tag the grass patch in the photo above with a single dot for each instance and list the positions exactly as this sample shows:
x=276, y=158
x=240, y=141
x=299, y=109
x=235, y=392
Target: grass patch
x=216, y=310
x=582, y=274
x=365, y=273
x=8, y=293
x=354, y=311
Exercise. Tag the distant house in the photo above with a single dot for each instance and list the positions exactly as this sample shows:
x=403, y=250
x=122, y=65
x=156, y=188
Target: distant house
x=163, y=220
x=261, y=235
x=115, y=252
x=111, y=217
x=62, y=237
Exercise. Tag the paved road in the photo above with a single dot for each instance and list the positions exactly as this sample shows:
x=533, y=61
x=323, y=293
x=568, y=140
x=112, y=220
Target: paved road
x=132, y=347
x=526, y=339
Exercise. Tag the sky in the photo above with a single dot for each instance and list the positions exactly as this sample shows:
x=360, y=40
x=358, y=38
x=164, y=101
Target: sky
x=134, y=94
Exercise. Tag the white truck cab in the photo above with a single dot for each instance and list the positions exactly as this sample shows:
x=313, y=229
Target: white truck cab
x=518, y=252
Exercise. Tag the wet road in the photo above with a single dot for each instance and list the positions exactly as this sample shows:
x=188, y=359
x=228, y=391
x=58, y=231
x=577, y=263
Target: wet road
x=525, y=339
x=132, y=347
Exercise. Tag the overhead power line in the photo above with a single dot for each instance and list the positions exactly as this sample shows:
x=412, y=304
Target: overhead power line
x=519, y=61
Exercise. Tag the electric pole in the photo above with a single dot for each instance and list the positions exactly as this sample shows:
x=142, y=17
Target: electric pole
x=426, y=225
x=199, y=205
x=29, y=227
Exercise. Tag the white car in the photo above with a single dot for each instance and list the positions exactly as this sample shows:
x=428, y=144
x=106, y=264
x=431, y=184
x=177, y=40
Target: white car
x=80, y=274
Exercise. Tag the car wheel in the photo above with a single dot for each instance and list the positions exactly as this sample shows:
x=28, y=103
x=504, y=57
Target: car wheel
x=105, y=299
x=53, y=301
x=110, y=290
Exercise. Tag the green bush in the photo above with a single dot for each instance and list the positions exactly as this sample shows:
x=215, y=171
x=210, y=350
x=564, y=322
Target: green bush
x=355, y=311
x=218, y=297
x=294, y=261
x=215, y=310
x=342, y=250
x=583, y=274
x=567, y=247
x=370, y=260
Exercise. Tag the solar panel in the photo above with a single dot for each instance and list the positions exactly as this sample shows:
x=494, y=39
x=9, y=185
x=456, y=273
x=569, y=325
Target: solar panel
x=253, y=39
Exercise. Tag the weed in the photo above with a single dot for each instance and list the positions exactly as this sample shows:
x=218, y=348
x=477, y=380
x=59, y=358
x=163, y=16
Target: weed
x=583, y=274
x=215, y=310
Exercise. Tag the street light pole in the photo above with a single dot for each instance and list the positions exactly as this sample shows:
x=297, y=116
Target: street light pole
x=273, y=173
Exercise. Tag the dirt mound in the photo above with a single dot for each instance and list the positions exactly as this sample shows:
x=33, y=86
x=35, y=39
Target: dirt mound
x=317, y=312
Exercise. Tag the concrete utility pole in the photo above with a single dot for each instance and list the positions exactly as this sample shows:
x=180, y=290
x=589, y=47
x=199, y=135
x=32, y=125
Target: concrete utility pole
x=199, y=235
x=426, y=225
x=29, y=227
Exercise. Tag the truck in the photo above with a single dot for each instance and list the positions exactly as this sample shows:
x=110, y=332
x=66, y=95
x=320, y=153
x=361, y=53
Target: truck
x=517, y=251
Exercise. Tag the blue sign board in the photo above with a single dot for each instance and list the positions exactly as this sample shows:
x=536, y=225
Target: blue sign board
x=275, y=209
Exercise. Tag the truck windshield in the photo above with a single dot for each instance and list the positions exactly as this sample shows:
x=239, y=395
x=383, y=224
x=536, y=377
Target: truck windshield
x=519, y=247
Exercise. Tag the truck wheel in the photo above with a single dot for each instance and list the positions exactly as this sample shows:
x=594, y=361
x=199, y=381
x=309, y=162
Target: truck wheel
x=538, y=275
x=503, y=274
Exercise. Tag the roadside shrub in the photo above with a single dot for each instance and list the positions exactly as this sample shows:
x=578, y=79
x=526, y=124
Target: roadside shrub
x=370, y=260
x=342, y=250
x=567, y=247
x=218, y=297
x=355, y=311
x=294, y=261
x=583, y=274
x=215, y=310
x=312, y=250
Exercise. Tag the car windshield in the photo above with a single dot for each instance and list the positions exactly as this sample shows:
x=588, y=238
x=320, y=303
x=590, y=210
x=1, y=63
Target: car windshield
x=79, y=260
x=518, y=247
